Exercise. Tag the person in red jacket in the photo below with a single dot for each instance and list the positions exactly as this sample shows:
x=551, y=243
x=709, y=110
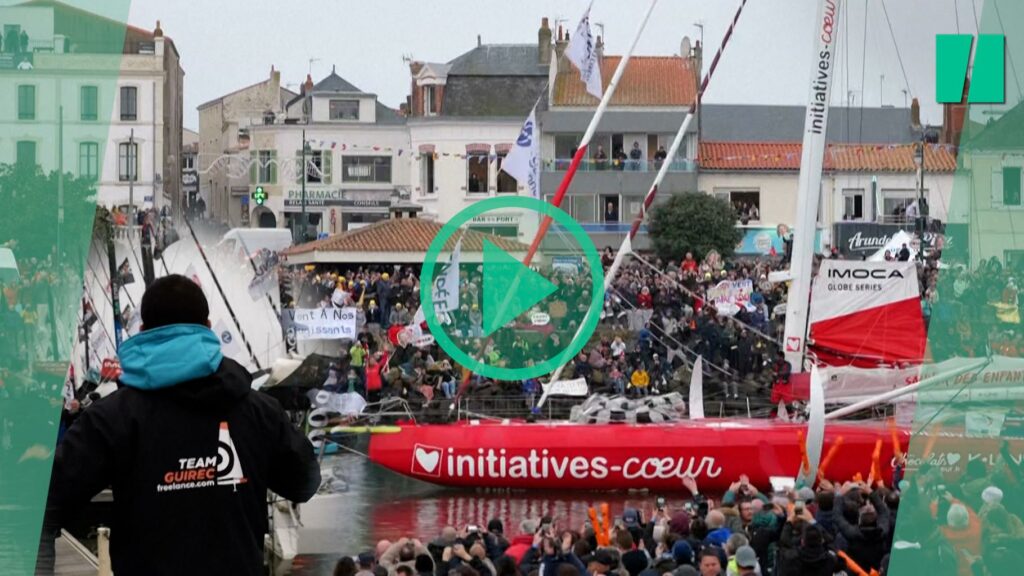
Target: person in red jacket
x=522, y=543
x=644, y=299
x=689, y=264
x=373, y=375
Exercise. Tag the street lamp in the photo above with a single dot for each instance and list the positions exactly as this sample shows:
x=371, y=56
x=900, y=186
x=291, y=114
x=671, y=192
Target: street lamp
x=919, y=220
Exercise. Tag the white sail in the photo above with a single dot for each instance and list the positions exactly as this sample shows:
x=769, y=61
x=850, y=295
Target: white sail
x=815, y=428
x=697, y=390
x=809, y=192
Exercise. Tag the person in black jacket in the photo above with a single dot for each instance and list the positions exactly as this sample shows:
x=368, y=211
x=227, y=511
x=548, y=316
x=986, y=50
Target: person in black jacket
x=188, y=447
x=866, y=542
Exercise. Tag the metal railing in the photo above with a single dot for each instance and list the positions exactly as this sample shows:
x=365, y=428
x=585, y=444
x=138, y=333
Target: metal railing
x=612, y=165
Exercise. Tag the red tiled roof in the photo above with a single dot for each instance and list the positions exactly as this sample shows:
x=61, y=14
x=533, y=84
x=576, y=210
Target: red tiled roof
x=647, y=81
x=838, y=157
x=401, y=235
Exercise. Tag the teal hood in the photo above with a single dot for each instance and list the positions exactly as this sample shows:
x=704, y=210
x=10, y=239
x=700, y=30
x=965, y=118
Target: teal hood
x=169, y=355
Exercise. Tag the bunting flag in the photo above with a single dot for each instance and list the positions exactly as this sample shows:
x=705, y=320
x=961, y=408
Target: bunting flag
x=583, y=54
x=523, y=161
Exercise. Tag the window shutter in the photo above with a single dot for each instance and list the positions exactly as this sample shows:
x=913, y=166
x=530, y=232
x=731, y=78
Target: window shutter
x=254, y=168
x=326, y=157
x=273, y=167
x=997, y=187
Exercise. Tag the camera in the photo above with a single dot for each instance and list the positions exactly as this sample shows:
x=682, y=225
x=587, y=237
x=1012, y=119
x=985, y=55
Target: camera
x=472, y=528
x=660, y=502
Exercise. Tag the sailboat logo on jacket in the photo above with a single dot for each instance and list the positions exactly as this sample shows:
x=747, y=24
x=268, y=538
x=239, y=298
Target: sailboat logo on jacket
x=229, y=467
x=222, y=469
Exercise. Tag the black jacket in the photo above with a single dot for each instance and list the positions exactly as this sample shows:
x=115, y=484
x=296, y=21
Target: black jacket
x=866, y=545
x=190, y=466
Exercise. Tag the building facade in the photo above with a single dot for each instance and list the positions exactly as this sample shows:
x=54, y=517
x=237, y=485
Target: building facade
x=355, y=163
x=643, y=117
x=464, y=116
x=109, y=110
x=224, y=141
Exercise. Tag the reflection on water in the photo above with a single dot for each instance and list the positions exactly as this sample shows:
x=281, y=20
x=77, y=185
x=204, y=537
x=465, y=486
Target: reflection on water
x=383, y=505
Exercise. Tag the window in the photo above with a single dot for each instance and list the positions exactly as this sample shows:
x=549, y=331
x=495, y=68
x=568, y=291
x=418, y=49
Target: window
x=344, y=109
x=853, y=204
x=429, y=100
x=610, y=208
x=1011, y=186
x=894, y=204
x=506, y=183
x=188, y=162
x=746, y=203
x=129, y=103
x=315, y=167
x=266, y=167
x=375, y=169
x=26, y=102
x=427, y=173
x=128, y=162
x=89, y=160
x=11, y=38
x=26, y=154
x=477, y=173
x=584, y=208
x=90, y=103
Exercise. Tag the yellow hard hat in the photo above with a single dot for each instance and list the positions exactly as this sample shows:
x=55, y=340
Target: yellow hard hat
x=385, y=276
x=398, y=306
x=373, y=302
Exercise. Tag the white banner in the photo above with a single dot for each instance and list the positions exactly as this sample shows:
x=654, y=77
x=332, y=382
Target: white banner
x=523, y=161
x=577, y=387
x=729, y=296
x=321, y=323
x=446, y=285
x=582, y=52
x=893, y=247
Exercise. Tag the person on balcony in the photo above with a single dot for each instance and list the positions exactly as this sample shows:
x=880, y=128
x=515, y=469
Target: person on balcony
x=601, y=158
x=660, y=156
x=619, y=158
x=634, y=157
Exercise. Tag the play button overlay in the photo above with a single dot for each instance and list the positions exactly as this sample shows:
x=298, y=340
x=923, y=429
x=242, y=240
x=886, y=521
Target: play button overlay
x=504, y=276
x=512, y=321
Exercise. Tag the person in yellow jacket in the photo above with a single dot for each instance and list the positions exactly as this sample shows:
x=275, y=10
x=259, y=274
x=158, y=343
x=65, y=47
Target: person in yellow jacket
x=640, y=380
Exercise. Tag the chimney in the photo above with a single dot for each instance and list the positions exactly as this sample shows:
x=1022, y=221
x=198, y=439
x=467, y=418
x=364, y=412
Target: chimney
x=479, y=41
x=698, y=61
x=915, y=113
x=561, y=43
x=158, y=40
x=953, y=117
x=544, y=43
x=599, y=47
x=275, y=78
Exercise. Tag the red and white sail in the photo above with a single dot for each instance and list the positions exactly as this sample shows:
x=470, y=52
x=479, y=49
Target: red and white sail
x=867, y=313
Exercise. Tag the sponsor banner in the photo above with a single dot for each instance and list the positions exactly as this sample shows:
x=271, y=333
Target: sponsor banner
x=567, y=264
x=867, y=312
x=598, y=456
x=320, y=323
x=862, y=239
x=765, y=241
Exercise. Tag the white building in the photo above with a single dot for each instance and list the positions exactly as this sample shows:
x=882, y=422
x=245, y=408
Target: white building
x=116, y=91
x=357, y=152
x=464, y=116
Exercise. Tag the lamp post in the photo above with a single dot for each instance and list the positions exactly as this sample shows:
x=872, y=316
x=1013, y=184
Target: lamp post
x=918, y=220
x=301, y=236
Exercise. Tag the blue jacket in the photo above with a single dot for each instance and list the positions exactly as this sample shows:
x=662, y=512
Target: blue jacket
x=169, y=355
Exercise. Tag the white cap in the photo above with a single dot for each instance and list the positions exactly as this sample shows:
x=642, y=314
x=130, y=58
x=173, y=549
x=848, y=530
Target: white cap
x=992, y=495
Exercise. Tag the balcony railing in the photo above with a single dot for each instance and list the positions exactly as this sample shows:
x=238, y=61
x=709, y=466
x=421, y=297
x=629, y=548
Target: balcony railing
x=610, y=165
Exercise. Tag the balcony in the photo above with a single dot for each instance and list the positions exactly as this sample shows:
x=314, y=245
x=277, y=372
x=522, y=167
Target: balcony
x=591, y=165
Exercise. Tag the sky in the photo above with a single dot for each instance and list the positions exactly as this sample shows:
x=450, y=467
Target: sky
x=228, y=44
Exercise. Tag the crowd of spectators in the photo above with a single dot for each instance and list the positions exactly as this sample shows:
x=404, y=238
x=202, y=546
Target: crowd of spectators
x=965, y=529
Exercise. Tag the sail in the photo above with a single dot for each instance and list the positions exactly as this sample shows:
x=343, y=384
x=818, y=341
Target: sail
x=229, y=467
x=809, y=192
x=867, y=313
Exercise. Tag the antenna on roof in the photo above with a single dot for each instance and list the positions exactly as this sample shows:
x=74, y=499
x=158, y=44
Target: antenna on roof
x=311, y=60
x=406, y=58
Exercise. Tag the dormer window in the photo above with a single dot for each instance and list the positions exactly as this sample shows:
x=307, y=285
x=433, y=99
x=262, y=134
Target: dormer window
x=429, y=99
x=344, y=109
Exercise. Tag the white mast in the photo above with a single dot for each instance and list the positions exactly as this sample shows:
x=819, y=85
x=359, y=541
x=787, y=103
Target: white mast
x=809, y=192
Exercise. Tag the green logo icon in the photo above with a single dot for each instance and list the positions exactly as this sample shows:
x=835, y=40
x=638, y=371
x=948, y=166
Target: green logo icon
x=501, y=271
x=988, y=77
x=535, y=318
x=259, y=195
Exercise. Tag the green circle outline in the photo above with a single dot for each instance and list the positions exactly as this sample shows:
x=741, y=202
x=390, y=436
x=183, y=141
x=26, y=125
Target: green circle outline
x=596, y=276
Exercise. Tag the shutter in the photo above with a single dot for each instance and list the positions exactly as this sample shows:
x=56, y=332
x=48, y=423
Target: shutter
x=326, y=157
x=997, y=187
x=273, y=167
x=254, y=161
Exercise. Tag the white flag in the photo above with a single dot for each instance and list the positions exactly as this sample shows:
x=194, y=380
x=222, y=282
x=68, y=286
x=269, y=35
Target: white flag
x=228, y=344
x=446, y=285
x=582, y=52
x=523, y=161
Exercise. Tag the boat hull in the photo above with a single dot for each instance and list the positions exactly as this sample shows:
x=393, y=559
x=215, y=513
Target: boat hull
x=619, y=456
